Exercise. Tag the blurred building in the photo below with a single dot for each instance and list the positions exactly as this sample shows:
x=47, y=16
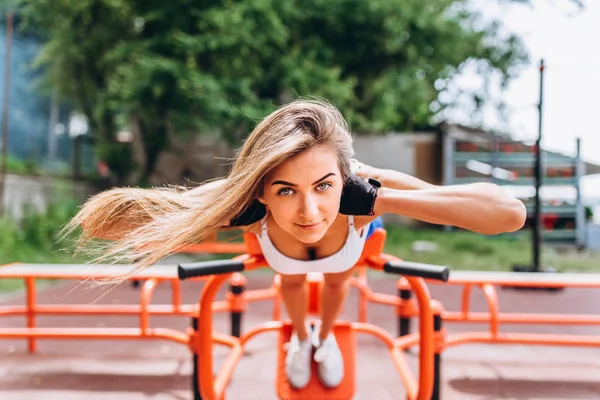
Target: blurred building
x=456, y=154
x=451, y=154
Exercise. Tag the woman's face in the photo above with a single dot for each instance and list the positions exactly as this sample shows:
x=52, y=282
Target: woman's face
x=303, y=194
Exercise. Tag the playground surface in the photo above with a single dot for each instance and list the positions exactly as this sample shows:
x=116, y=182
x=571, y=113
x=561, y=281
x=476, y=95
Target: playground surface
x=153, y=369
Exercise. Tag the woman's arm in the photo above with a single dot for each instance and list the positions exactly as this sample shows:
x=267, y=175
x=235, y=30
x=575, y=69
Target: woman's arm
x=484, y=208
x=393, y=179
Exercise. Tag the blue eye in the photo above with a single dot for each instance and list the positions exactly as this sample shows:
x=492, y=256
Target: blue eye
x=285, y=192
x=323, y=186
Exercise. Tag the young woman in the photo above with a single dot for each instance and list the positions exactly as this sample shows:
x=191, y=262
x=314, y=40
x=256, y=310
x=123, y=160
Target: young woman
x=293, y=184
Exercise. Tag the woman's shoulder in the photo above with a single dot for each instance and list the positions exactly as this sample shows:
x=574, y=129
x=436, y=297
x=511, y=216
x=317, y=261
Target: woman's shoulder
x=360, y=221
x=253, y=228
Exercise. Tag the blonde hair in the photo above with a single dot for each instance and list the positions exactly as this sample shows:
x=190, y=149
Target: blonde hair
x=146, y=225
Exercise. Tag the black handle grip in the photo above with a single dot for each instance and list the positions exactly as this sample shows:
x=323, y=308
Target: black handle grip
x=428, y=271
x=205, y=268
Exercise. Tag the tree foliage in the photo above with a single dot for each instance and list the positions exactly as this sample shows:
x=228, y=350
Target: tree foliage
x=218, y=65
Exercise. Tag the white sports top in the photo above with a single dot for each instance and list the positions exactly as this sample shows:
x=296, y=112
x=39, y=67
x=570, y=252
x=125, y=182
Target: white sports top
x=341, y=261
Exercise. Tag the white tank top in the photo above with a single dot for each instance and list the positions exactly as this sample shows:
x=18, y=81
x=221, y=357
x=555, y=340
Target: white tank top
x=341, y=261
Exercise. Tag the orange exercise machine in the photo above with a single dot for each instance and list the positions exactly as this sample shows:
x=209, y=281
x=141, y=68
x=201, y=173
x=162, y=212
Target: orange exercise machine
x=200, y=338
x=487, y=282
x=213, y=244
x=203, y=338
x=151, y=277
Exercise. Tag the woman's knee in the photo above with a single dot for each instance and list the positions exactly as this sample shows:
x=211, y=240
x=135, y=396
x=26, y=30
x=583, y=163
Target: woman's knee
x=337, y=281
x=293, y=281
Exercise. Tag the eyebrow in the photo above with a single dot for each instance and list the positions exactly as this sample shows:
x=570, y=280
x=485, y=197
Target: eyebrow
x=278, y=182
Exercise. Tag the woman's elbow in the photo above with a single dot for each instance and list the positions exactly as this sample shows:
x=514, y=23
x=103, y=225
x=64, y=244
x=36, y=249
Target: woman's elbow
x=505, y=213
x=516, y=215
x=510, y=217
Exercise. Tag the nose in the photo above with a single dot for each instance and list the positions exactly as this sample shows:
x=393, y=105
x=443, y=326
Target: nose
x=309, y=208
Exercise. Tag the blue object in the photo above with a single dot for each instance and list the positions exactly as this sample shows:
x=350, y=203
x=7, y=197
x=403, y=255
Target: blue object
x=376, y=223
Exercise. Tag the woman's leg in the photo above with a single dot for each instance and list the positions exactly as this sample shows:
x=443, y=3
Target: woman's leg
x=294, y=296
x=335, y=290
x=299, y=350
x=328, y=354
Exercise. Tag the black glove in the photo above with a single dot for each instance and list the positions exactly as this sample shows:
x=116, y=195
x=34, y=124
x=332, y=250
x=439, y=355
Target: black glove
x=253, y=213
x=358, y=196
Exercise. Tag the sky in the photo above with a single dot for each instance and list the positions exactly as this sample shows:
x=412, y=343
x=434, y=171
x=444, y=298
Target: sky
x=563, y=36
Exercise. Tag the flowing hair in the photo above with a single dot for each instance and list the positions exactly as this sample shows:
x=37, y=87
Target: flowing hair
x=142, y=226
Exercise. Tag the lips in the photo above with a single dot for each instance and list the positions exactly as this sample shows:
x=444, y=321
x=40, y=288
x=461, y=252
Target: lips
x=308, y=226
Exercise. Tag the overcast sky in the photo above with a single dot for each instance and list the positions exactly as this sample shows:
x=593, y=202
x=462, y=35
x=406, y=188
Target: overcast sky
x=564, y=37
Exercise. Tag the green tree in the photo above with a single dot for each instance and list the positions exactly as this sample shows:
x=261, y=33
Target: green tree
x=184, y=66
x=398, y=54
x=78, y=36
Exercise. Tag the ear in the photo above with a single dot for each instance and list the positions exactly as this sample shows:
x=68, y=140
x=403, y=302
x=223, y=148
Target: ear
x=262, y=201
x=260, y=195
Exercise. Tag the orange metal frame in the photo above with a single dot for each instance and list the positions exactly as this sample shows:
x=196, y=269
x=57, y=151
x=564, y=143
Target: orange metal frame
x=487, y=283
x=407, y=309
x=201, y=340
x=215, y=248
x=212, y=245
x=494, y=317
x=213, y=385
x=31, y=309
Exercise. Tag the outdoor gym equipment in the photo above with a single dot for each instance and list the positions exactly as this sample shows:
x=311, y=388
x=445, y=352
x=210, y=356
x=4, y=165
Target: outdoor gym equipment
x=203, y=339
x=488, y=282
x=235, y=303
x=237, y=300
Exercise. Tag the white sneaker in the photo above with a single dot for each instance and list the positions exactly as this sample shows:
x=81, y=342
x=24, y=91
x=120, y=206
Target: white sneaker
x=298, y=361
x=329, y=357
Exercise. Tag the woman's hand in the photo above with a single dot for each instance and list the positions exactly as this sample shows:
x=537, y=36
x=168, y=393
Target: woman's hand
x=358, y=196
x=366, y=171
x=392, y=179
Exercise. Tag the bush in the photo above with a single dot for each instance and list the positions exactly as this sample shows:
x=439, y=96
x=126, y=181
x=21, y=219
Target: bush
x=35, y=238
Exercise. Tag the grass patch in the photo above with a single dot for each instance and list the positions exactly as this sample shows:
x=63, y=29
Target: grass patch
x=34, y=240
x=471, y=251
